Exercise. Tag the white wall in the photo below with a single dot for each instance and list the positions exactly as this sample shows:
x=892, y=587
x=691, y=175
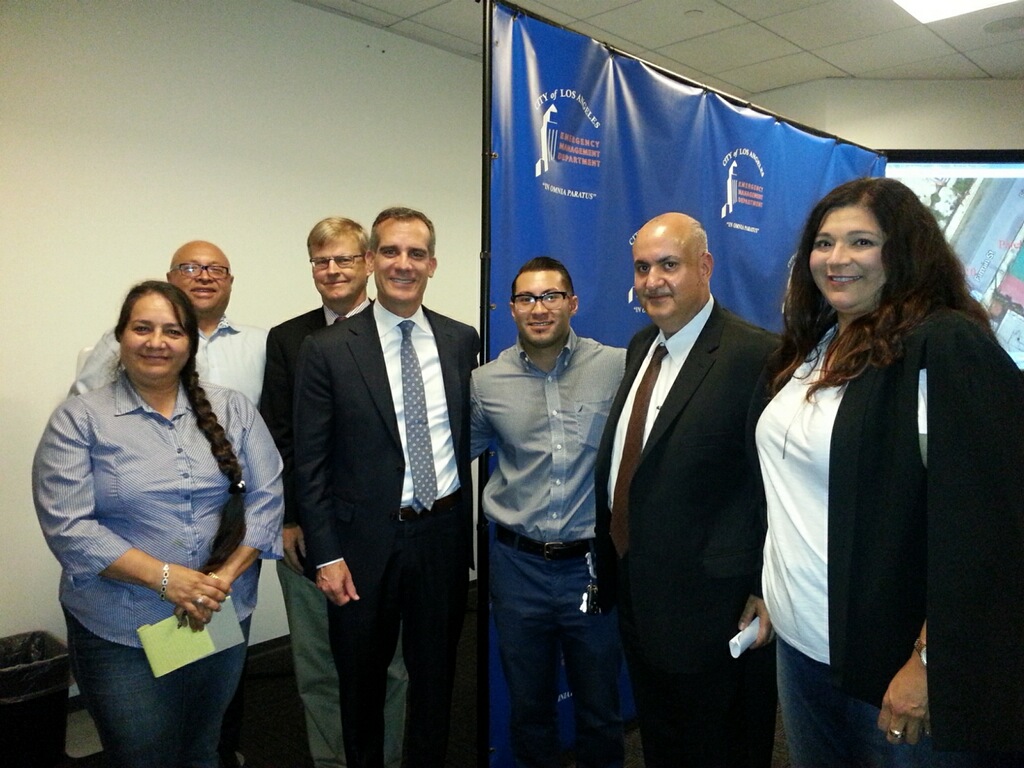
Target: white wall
x=128, y=128
x=908, y=114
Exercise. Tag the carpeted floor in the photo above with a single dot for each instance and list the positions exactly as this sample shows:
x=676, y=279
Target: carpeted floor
x=274, y=732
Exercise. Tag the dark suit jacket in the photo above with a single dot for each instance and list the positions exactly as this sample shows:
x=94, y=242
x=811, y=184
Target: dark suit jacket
x=349, y=465
x=696, y=502
x=276, y=402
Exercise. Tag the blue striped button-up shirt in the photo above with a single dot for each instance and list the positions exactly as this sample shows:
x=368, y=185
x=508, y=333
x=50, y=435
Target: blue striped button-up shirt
x=111, y=474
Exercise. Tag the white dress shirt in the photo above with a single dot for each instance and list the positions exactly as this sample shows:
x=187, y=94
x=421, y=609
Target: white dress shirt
x=445, y=465
x=678, y=347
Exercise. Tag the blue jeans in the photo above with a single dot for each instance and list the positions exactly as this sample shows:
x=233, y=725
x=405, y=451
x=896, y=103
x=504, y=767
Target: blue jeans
x=158, y=722
x=826, y=727
x=536, y=608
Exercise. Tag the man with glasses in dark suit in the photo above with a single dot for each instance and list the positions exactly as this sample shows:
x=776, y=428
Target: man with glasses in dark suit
x=336, y=248
x=385, y=493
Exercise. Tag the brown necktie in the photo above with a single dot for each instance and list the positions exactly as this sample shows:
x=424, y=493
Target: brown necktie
x=631, y=450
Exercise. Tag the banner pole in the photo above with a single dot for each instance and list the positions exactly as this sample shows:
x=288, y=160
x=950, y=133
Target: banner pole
x=483, y=708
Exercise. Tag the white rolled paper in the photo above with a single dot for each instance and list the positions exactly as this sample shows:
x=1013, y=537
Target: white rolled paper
x=744, y=639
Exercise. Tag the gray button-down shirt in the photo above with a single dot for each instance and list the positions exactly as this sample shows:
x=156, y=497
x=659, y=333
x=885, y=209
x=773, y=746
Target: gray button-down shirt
x=545, y=428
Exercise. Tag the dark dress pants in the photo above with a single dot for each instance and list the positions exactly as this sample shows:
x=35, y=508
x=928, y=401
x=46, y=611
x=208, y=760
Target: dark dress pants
x=424, y=590
x=721, y=716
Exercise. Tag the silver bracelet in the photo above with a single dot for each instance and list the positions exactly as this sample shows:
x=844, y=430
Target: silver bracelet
x=165, y=577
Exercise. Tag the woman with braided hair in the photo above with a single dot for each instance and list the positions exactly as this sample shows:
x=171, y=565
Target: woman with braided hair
x=156, y=495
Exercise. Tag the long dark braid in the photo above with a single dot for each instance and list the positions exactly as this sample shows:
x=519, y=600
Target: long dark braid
x=231, y=530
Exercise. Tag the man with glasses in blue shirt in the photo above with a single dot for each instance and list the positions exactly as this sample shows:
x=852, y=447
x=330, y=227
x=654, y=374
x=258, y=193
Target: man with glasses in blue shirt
x=230, y=355
x=542, y=403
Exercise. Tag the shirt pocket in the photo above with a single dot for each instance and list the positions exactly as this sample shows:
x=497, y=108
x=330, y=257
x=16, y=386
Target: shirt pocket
x=591, y=416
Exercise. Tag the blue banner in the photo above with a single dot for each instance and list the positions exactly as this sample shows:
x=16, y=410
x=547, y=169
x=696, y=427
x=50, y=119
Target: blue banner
x=589, y=145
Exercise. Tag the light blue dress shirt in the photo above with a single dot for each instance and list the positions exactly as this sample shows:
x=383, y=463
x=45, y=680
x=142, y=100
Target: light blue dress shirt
x=546, y=428
x=110, y=474
x=232, y=356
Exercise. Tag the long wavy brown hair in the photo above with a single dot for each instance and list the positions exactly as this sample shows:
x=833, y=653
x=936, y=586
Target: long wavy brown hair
x=231, y=530
x=922, y=275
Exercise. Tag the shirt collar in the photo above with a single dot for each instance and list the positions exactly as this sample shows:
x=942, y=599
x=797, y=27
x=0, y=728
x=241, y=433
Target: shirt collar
x=388, y=321
x=563, y=357
x=682, y=341
x=223, y=326
x=331, y=316
x=128, y=400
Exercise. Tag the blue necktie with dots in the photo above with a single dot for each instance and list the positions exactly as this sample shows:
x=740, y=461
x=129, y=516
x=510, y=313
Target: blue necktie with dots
x=417, y=430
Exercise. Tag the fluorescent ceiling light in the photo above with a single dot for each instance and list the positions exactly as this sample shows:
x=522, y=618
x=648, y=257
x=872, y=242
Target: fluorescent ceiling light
x=927, y=11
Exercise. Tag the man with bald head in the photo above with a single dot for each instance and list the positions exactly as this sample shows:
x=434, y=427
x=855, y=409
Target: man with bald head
x=680, y=523
x=229, y=354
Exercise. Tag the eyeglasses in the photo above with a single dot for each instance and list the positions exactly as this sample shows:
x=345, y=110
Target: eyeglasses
x=215, y=271
x=551, y=299
x=341, y=262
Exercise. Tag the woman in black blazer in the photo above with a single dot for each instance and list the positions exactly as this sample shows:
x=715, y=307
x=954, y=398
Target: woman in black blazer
x=892, y=453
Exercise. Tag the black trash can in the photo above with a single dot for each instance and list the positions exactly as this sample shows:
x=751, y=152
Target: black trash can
x=34, y=680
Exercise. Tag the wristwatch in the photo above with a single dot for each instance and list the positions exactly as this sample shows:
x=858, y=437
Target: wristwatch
x=922, y=650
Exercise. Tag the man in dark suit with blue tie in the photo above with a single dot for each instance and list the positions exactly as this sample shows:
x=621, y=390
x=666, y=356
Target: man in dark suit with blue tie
x=679, y=513
x=336, y=247
x=383, y=480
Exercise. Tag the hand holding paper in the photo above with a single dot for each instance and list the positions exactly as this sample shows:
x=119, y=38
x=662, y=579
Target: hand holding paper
x=169, y=646
x=744, y=639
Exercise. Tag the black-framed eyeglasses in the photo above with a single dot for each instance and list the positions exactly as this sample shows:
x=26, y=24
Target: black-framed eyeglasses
x=216, y=271
x=551, y=299
x=341, y=262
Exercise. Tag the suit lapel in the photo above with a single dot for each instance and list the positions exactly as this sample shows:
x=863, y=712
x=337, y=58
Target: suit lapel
x=633, y=363
x=447, y=351
x=694, y=370
x=363, y=342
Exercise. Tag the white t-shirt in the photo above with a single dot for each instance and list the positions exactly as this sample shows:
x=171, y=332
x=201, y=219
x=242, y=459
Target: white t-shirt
x=794, y=437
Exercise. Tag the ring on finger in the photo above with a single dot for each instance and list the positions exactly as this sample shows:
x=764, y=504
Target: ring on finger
x=896, y=733
x=200, y=601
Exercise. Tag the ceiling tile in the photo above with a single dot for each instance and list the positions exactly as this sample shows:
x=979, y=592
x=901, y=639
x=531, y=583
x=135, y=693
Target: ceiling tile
x=454, y=18
x=675, y=67
x=605, y=36
x=730, y=48
x=953, y=67
x=968, y=32
x=355, y=10
x=890, y=49
x=745, y=39
x=656, y=23
x=778, y=73
x=580, y=9
x=548, y=13
x=837, y=21
x=437, y=38
x=762, y=9
x=408, y=7
x=1004, y=61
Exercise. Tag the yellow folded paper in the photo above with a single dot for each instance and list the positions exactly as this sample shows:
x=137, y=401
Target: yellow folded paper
x=169, y=647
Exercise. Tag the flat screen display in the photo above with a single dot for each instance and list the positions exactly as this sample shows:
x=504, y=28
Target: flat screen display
x=978, y=200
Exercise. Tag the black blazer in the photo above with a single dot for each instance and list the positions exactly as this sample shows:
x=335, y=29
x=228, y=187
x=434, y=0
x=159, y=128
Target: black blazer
x=349, y=465
x=696, y=502
x=944, y=543
x=276, y=402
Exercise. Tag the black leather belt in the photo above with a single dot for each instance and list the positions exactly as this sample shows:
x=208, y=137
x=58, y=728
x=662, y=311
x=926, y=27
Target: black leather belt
x=549, y=550
x=405, y=514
